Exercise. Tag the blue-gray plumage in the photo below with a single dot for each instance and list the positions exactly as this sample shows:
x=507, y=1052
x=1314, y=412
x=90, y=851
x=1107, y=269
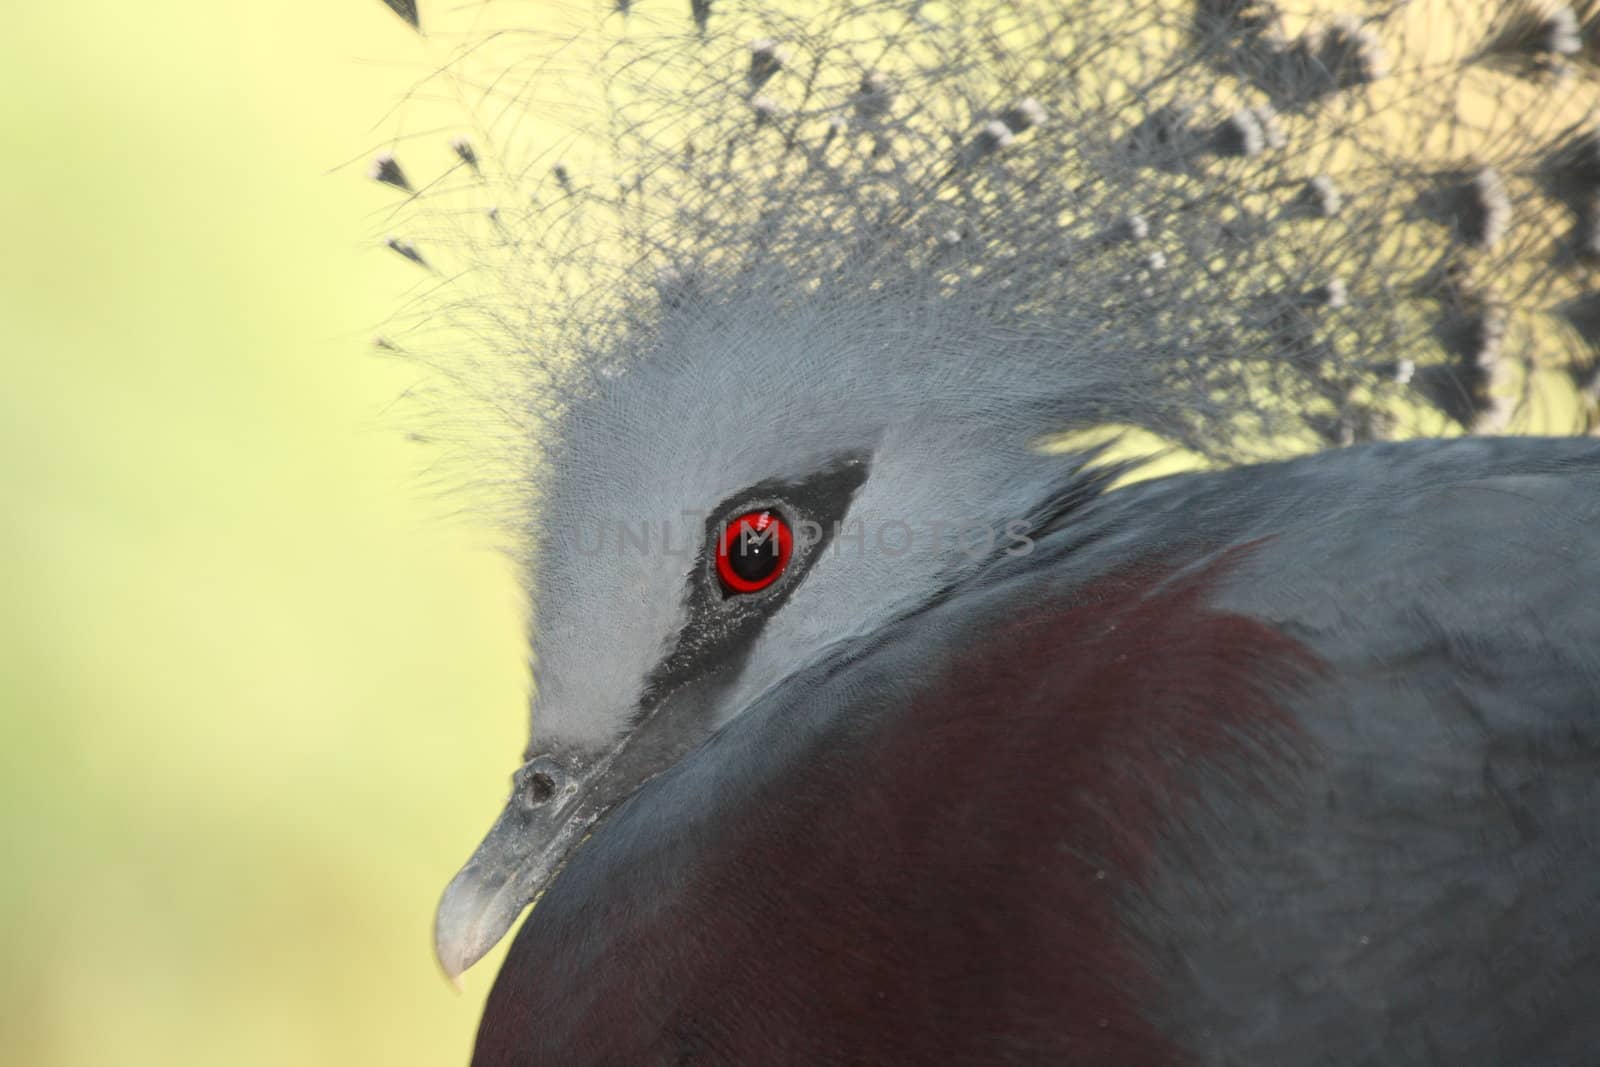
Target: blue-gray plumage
x=1429, y=890
x=1413, y=876
x=868, y=730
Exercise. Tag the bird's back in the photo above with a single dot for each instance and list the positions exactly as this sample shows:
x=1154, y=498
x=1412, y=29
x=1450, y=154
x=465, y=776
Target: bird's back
x=1143, y=801
x=1428, y=890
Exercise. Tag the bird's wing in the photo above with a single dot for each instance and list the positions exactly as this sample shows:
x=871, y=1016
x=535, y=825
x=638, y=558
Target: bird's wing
x=1428, y=888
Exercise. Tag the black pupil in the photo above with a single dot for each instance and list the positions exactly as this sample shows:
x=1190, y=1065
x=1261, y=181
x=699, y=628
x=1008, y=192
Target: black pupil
x=753, y=555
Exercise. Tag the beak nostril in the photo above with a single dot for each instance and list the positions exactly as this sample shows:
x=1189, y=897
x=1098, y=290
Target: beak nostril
x=537, y=782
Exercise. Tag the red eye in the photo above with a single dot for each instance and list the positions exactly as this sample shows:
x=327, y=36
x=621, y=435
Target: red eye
x=753, y=552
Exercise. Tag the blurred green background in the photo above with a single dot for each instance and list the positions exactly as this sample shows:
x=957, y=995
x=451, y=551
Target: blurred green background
x=251, y=673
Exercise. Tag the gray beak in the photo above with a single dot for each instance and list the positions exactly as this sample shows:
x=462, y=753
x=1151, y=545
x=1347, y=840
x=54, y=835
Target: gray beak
x=552, y=807
x=557, y=800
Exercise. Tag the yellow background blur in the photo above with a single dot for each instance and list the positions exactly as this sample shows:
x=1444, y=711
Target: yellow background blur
x=256, y=688
x=250, y=676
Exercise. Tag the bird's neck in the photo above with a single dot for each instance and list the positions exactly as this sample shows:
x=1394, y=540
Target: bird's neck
x=851, y=899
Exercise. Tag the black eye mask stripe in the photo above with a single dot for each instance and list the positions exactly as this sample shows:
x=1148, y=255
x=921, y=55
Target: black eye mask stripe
x=722, y=627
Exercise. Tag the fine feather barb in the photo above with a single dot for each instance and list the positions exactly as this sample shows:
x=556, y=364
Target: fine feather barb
x=1249, y=227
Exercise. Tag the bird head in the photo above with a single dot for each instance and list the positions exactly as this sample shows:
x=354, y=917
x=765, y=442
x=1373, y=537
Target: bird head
x=777, y=361
x=774, y=468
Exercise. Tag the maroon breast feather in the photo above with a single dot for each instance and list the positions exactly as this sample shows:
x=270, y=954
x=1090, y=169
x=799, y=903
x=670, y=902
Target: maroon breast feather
x=945, y=886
